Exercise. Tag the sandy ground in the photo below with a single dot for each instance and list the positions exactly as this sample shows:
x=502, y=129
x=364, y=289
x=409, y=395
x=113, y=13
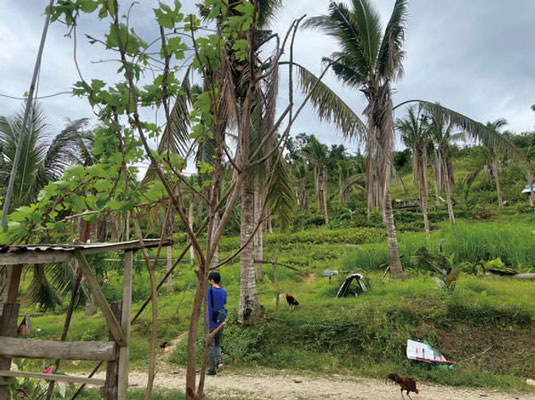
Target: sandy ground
x=227, y=385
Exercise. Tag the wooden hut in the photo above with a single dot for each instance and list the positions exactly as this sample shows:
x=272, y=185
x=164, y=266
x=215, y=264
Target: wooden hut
x=114, y=352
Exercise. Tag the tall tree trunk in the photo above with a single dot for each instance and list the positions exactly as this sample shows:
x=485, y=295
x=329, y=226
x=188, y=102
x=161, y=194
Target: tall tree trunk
x=249, y=308
x=496, y=178
x=415, y=165
x=215, y=257
x=423, y=190
x=324, y=184
x=531, y=191
x=396, y=270
x=258, y=239
x=435, y=181
x=448, y=199
x=191, y=217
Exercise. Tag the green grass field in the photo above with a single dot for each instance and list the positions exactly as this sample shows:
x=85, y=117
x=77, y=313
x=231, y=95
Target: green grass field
x=486, y=323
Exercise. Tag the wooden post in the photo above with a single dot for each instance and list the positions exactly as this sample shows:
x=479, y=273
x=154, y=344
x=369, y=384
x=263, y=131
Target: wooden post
x=275, y=280
x=110, y=390
x=8, y=319
x=125, y=325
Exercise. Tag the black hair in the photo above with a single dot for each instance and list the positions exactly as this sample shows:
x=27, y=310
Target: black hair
x=215, y=276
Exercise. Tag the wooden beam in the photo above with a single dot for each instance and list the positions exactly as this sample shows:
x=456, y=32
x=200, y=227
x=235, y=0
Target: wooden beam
x=8, y=327
x=13, y=283
x=54, y=377
x=100, y=299
x=125, y=325
x=34, y=257
x=110, y=388
x=27, y=348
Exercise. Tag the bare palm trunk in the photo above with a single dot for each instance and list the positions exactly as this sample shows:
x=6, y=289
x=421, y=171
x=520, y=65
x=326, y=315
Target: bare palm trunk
x=215, y=257
x=249, y=308
x=497, y=179
x=531, y=191
x=369, y=189
x=324, y=183
x=396, y=270
x=415, y=166
x=423, y=191
x=258, y=242
x=450, y=205
x=435, y=181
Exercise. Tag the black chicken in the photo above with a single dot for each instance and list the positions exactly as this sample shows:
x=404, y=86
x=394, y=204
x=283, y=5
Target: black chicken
x=292, y=302
x=163, y=345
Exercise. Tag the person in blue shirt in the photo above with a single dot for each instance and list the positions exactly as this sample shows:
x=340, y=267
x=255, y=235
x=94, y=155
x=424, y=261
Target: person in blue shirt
x=217, y=298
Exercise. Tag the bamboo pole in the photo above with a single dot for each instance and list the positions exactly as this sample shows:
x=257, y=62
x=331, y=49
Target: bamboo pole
x=29, y=100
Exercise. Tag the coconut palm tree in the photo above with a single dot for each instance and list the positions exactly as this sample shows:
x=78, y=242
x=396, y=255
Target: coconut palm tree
x=44, y=156
x=369, y=60
x=43, y=159
x=415, y=135
x=440, y=131
x=317, y=154
x=493, y=164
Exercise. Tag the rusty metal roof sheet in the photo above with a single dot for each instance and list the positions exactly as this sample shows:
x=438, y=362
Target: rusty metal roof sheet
x=51, y=253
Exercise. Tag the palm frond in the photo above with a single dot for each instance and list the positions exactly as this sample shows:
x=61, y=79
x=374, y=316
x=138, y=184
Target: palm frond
x=339, y=24
x=281, y=198
x=357, y=181
x=175, y=137
x=476, y=130
x=367, y=22
x=41, y=291
x=391, y=54
x=330, y=107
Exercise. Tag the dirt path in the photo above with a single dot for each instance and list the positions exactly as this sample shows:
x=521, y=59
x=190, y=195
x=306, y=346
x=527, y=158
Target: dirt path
x=295, y=387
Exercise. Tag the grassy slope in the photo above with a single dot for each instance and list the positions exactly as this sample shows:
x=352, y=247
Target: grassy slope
x=364, y=335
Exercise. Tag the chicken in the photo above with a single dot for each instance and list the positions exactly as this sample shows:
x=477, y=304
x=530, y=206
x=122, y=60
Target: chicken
x=292, y=302
x=163, y=345
x=406, y=383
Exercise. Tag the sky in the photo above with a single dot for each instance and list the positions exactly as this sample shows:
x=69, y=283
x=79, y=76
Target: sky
x=476, y=57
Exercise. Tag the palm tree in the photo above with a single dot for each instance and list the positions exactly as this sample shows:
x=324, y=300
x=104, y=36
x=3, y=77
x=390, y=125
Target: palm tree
x=415, y=134
x=493, y=164
x=44, y=156
x=369, y=60
x=318, y=154
x=440, y=131
x=43, y=159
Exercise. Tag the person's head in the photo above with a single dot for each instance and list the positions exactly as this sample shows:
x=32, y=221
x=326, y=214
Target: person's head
x=214, y=277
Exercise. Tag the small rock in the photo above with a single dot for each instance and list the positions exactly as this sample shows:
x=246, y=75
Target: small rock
x=530, y=382
x=297, y=381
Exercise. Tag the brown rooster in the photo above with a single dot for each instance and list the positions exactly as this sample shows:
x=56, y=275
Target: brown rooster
x=406, y=383
x=292, y=302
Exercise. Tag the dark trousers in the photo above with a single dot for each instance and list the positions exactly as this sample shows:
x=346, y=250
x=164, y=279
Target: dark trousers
x=214, y=350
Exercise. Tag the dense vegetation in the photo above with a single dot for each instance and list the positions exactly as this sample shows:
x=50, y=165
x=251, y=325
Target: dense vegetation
x=421, y=224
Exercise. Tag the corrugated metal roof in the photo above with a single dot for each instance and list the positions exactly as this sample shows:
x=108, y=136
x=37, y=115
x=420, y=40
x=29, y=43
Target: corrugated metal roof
x=49, y=253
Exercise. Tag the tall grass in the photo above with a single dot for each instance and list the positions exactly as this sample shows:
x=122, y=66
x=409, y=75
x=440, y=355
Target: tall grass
x=511, y=241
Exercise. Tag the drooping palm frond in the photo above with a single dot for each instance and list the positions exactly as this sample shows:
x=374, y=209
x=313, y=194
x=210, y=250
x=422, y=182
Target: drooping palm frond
x=41, y=291
x=391, y=54
x=175, y=137
x=357, y=181
x=63, y=150
x=281, y=198
x=476, y=130
x=330, y=107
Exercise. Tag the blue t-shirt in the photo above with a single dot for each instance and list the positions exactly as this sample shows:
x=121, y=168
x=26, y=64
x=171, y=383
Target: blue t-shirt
x=220, y=299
